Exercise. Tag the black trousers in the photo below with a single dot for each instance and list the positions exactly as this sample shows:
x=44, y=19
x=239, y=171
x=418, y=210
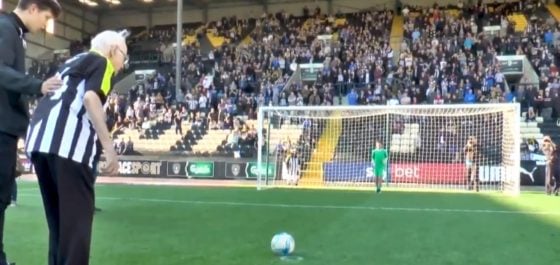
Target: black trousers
x=8, y=157
x=14, y=192
x=68, y=198
x=556, y=177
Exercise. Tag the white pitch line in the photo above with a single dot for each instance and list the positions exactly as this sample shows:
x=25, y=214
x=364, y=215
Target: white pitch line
x=28, y=189
x=326, y=207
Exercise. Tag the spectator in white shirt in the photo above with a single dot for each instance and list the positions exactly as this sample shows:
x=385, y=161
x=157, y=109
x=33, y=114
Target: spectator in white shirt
x=292, y=99
x=193, y=106
x=405, y=99
x=499, y=77
x=393, y=101
x=203, y=103
x=168, y=116
x=405, y=11
x=233, y=139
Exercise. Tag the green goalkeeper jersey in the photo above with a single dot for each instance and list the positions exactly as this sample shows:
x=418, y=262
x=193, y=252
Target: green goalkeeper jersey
x=379, y=157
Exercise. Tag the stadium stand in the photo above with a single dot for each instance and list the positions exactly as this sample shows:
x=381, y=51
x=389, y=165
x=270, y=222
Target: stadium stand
x=232, y=66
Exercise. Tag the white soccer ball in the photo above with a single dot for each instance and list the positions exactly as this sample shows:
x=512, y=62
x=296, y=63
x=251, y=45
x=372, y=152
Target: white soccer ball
x=283, y=244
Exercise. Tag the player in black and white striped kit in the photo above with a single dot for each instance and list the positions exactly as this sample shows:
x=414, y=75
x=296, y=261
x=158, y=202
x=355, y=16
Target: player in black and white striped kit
x=293, y=168
x=64, y=141
x=193, y=106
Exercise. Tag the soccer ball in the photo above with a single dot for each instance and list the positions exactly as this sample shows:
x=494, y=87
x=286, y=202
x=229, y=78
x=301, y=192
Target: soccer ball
x=282, y=244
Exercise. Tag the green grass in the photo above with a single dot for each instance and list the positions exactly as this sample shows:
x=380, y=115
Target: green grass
x=223, y=226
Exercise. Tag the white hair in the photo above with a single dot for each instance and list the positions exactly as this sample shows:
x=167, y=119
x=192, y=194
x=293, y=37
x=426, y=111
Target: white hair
x=103, y=41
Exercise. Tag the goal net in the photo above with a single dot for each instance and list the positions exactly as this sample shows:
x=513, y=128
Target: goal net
x=430, y=147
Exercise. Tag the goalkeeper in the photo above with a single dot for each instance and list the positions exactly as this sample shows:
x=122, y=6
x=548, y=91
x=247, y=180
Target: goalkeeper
x=379, y=158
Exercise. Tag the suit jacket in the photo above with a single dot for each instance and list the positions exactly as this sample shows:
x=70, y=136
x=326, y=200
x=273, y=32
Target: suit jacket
x=14, y=83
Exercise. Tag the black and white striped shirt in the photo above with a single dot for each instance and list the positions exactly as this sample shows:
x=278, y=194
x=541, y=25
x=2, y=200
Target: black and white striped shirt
x=292, y=165
x=193, y=104
x=60, y=124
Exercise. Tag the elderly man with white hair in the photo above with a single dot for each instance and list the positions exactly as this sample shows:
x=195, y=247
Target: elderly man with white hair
x=64, y=141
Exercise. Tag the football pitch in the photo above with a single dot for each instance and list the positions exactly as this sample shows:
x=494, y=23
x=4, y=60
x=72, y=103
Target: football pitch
x=233, y=226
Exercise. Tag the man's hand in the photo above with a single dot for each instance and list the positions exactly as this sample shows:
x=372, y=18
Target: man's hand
x=50, y=85
x=112, y=163
x=94, y=108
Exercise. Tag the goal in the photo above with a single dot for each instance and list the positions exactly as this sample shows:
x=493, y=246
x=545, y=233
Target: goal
x=425, y=143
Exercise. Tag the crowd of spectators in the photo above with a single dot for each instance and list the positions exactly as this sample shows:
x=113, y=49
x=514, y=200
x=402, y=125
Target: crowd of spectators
x=445, y=58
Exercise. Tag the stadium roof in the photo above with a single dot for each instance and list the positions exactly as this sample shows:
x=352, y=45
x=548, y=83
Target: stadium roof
x=146, y=5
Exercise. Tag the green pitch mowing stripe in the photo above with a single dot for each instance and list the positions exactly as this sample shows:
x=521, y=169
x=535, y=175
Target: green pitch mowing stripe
x=325, y=207
x=176, y=225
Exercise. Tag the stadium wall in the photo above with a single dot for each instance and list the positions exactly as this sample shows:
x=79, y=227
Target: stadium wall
x=532, y=172
x=183, y=168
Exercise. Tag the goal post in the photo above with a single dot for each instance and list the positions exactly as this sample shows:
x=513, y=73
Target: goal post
x=427, y=146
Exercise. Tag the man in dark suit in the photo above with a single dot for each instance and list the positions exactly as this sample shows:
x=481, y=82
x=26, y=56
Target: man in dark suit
x=29, y=16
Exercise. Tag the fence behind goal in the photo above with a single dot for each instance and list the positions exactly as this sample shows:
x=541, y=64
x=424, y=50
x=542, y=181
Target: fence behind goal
x=426, y=144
